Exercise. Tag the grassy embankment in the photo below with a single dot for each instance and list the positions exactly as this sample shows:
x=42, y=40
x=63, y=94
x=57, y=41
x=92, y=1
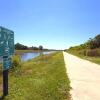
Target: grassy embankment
x=25, y=51
x=28, y=51
x=42, y=78
x=32, y=51
x=87, y=54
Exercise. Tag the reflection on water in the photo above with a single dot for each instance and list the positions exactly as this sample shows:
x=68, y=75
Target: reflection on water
x=27, y=56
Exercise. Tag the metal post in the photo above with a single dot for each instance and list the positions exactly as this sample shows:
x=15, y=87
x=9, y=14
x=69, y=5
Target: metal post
x=5, y=80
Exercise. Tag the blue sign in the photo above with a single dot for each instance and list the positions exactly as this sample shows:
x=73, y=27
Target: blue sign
x=6, y=46
x=6, y=42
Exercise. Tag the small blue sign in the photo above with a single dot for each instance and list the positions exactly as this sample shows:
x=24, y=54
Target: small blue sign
x=6, y=42
x=7, y=47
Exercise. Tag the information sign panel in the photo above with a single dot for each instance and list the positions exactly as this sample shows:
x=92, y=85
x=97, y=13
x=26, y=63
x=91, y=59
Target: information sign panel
x=6, y=42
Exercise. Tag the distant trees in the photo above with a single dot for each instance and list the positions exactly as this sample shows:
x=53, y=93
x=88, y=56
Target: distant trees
x=19, y=46
x=89, y=48
x=90, y=44
x=34, y=48
x=40, y=47
x=95, y=42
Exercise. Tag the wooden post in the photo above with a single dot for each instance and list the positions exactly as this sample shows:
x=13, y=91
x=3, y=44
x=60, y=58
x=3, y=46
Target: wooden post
x=5, y=80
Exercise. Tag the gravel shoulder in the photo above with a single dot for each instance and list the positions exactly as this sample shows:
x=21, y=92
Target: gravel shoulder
x=84, y=77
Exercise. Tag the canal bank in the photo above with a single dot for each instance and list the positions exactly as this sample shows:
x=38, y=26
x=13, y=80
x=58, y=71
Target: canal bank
x=41, y=78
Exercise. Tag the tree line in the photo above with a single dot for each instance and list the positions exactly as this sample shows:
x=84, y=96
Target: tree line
x=89, y=48
x=19, y=46
x=92, y=43
x=95, y=42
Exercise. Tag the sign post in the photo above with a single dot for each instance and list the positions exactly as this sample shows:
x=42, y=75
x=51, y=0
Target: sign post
x=6, y=50
x=5, y=81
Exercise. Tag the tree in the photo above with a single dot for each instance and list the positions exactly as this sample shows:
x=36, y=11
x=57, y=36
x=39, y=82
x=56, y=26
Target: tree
x=97, y=39
x=40, y=47
x=19, y=46
x=95, y=42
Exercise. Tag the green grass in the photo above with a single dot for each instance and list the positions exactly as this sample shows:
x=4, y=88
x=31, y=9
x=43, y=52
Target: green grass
x=92, y=59
x=25, y=51
x=28, y=51
x=42, y=78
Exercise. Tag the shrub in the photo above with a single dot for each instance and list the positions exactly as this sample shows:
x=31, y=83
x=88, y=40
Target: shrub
x=16, y=65
x=94, y=52
x=16, y=61
x=82, y=52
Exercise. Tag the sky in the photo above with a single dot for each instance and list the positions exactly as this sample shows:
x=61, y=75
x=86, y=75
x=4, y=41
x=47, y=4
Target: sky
x=55, y=24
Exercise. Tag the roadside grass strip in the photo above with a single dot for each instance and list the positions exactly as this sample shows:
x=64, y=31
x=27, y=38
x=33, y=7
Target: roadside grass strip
x=42, y=78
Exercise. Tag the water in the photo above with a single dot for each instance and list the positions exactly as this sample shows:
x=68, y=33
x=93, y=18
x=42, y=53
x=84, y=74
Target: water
x=28, y=56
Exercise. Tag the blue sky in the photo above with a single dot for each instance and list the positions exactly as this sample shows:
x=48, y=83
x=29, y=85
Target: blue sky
x=56, y=24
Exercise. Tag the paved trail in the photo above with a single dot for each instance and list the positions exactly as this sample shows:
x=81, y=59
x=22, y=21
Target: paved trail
x=84, y=77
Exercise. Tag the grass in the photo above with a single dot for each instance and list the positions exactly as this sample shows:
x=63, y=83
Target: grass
x=42, y=78
x=92, y=59
x=25, y=51
x=28, y=51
